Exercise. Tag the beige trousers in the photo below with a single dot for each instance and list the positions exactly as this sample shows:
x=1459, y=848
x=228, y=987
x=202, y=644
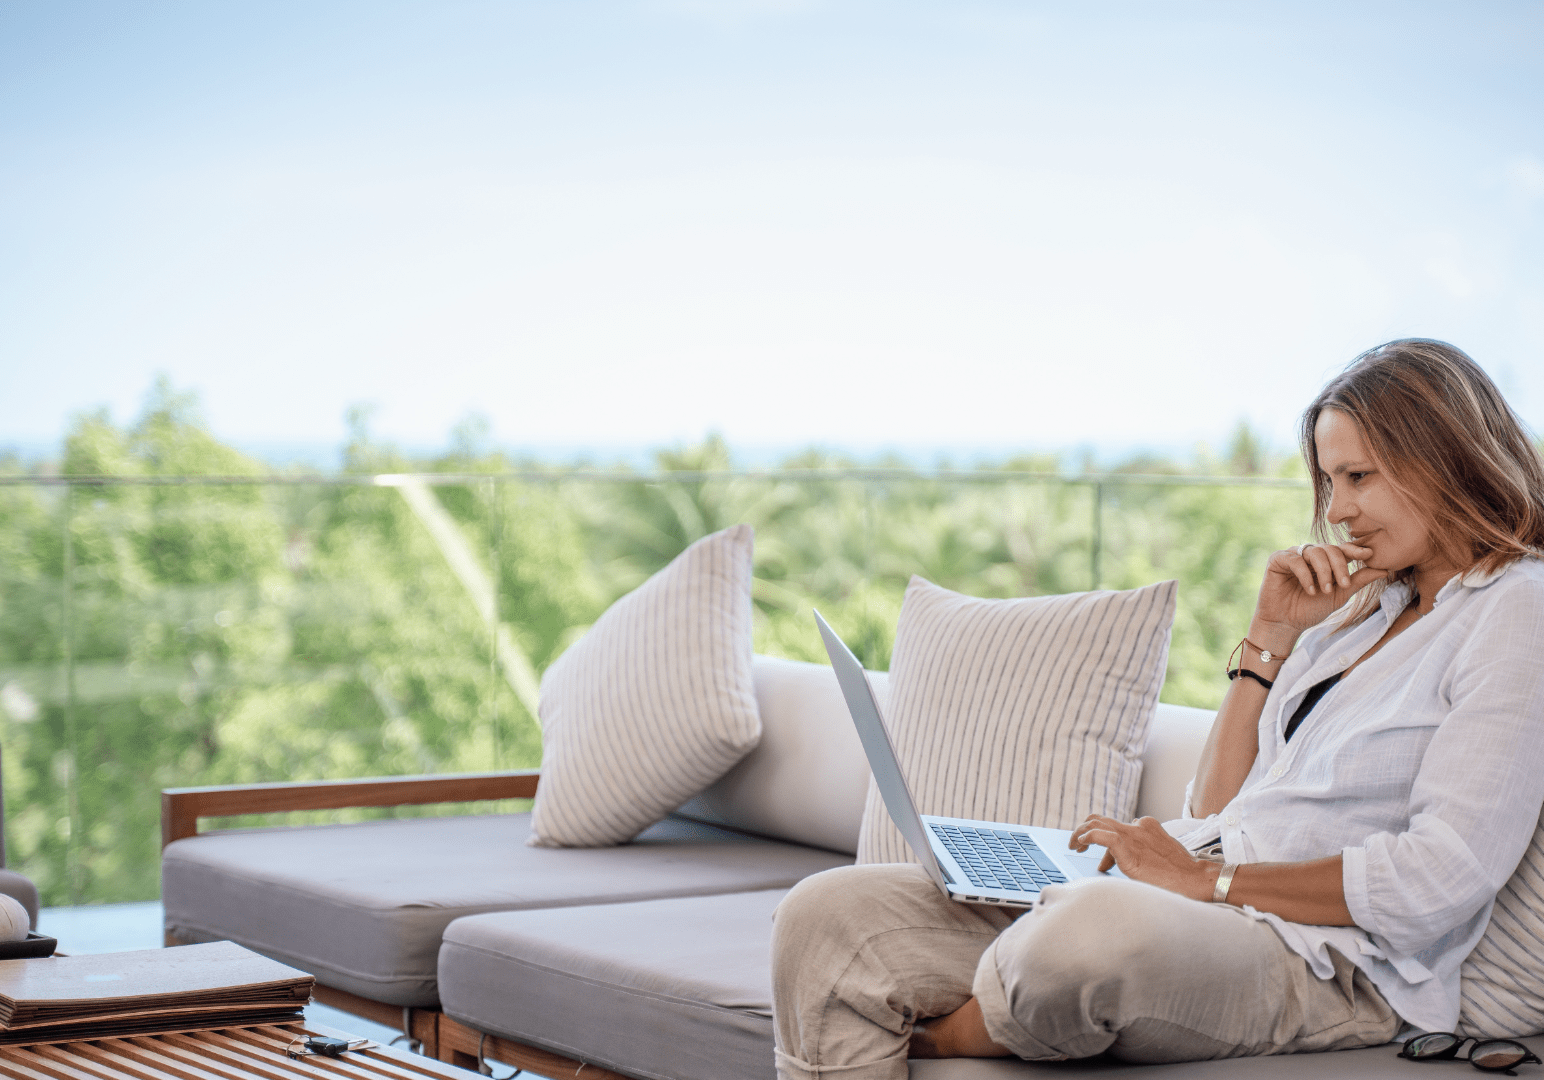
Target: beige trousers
x=861, y=953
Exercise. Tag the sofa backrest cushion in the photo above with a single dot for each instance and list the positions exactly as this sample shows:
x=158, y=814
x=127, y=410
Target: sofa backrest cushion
x=1032, y=710
x=807, y=779
x=1174, y=745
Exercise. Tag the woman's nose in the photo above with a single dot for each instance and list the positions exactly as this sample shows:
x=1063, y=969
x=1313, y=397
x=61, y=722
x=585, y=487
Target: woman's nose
x=1340, y=508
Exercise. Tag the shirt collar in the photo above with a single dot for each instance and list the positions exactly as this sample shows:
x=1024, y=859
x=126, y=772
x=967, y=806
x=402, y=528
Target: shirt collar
x=1398, y=595
x=1478, y=579
x=1396, y=598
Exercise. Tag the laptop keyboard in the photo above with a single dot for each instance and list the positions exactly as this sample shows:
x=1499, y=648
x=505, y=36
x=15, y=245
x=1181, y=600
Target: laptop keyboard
x=998, y=859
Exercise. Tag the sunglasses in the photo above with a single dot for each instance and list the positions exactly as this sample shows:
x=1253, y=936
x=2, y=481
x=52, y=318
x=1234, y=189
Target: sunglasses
x=1491, y=1055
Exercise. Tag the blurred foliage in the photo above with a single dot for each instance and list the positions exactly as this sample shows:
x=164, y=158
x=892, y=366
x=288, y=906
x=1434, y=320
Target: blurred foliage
x=164, y=635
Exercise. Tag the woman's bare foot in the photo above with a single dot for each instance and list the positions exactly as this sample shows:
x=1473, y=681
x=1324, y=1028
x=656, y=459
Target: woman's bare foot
x=960, y=1034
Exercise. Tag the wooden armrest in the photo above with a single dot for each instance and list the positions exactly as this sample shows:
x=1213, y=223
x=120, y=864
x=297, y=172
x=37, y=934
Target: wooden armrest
x=182, y=807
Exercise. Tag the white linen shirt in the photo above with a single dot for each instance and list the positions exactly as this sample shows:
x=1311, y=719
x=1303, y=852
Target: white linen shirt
x=1423, y=768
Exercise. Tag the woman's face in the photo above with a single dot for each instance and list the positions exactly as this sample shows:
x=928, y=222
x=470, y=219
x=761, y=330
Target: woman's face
x=1376, y=515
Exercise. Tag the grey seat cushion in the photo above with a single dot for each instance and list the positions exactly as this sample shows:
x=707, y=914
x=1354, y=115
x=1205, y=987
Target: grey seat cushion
x=363, y=906
x=673, y=989
x=682, y=989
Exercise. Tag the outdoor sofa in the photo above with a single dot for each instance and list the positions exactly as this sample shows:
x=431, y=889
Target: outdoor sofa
x=647, y=960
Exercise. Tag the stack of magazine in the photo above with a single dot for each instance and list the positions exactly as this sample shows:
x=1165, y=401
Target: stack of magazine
x=188, y=988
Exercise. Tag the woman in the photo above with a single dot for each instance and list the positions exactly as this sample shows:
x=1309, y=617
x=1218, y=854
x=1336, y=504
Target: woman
x=1373, y=777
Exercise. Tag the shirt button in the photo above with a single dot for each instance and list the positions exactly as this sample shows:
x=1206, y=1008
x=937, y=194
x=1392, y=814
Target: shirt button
x=1277, y=771
x=1342, y=659
x=1230, y=820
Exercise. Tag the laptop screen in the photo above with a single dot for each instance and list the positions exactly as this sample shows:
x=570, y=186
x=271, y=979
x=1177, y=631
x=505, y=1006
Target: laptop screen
x=881, y=754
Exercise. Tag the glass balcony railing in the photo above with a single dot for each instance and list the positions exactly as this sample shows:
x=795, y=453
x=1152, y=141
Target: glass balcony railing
x=163, y=631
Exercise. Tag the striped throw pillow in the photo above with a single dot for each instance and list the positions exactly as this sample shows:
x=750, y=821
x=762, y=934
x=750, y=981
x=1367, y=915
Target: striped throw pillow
x=1029, y=711
x=1502, y=981
x=654, y=703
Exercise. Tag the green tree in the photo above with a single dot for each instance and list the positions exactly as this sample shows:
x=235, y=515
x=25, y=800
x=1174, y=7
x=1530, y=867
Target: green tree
x=157, y=633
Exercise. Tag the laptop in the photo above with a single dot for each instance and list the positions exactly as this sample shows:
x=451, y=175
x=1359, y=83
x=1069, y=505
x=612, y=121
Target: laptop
x=975, y=862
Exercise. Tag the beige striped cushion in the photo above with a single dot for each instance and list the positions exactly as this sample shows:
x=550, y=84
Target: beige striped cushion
x=1503, y=979
x=654, y=703
x=1029, y=711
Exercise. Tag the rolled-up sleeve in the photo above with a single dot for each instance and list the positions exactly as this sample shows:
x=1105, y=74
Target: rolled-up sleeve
x=1475, y=801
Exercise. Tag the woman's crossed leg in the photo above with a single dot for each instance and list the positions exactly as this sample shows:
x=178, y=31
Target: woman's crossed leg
x=861, y=955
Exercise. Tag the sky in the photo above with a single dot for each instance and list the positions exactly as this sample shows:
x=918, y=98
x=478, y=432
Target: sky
x=952, y=226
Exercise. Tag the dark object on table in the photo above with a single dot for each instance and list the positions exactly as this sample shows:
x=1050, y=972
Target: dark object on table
x=322, y=1046
x=31, y=947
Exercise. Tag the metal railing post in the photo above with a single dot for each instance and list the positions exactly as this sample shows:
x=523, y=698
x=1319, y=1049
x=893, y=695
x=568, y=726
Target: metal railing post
x=870, y=512
x=1096, y=550
x=496, y=621
x=72, y=861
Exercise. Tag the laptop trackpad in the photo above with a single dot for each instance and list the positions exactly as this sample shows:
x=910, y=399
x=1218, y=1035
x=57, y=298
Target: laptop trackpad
x=1088, y=863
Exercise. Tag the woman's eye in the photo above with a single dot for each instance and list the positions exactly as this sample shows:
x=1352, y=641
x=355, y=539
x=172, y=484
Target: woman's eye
x=1356, y=477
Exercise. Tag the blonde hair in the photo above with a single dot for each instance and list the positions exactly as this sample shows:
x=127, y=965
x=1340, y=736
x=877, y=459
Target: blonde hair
x=1447, y=441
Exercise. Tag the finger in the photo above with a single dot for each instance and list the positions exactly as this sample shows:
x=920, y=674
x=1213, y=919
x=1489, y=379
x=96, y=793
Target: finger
x=1340, y=566
x=1366, y=576
x=1299, y=567
x=1076, y=840
x=1080, y=840
x=1353, y=550
x=1108, y=862
x=1281, y=561
x=1107, y=838
x=1318, y=560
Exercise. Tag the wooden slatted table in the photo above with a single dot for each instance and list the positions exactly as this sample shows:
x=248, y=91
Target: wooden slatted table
x=254, y=1053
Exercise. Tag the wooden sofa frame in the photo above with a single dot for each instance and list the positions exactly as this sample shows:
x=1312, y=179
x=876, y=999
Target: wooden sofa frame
x=441, y=1037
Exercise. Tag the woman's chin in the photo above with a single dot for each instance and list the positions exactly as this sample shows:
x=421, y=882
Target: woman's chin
x=1379, y=561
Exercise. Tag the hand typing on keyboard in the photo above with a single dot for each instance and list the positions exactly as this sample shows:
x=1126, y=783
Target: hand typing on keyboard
x=1145, y=852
